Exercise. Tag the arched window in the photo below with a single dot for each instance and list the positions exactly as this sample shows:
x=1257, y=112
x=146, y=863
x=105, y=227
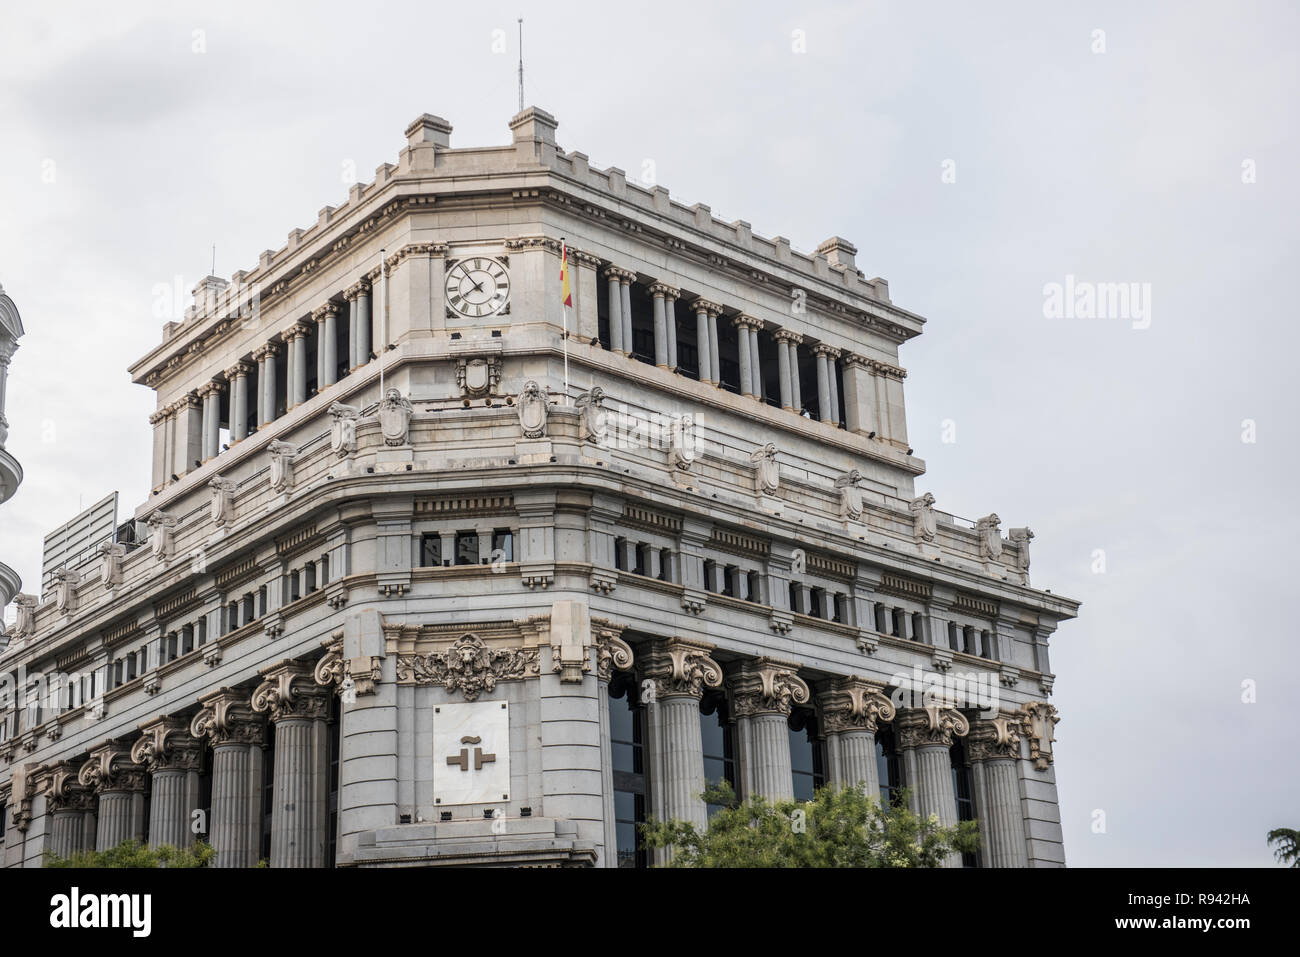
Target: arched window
x=627, y=741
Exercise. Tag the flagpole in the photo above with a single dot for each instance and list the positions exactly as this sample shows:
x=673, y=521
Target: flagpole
x=383, y=320
x=564, y=311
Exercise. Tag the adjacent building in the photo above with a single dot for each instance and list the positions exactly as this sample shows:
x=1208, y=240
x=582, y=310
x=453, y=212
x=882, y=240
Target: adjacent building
x=504, y=506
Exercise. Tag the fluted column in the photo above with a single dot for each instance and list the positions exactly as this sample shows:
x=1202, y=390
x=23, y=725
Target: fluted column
x=612, y=274
x=742, y=340
x=119, y=785
x=925, y=737
x=171, y=755
x=327, y=345
x=680, y=671
x=67, y=802
x=661, y=326
x=994, y=748
x=300, y=814
x=851, y=710
x=762, y=694
x=296, y=337
x=236, y=735
x=237, y=376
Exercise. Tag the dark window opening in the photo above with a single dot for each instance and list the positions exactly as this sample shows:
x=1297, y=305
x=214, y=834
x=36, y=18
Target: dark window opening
x=718, y=735
x=807, y=760
x=467, y=548
x=430, y=550
x=627, y=742
x=503, y=545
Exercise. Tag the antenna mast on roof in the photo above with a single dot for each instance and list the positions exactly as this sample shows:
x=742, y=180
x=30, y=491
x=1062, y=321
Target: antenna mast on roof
x=521, y=64
x=214, y=260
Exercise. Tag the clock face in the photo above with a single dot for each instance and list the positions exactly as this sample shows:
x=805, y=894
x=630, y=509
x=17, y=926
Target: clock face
x=478, y=286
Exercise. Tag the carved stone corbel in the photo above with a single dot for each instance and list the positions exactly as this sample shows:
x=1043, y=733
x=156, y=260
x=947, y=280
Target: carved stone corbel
x=766, y=686
x=854, y=704
x=1039, y=720
x=679, y=667
x=289, y=690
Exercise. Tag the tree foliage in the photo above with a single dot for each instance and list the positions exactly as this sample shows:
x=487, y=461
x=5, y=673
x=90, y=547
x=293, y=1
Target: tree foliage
x=837, y=828
x=1287, y=851
x=135, y=854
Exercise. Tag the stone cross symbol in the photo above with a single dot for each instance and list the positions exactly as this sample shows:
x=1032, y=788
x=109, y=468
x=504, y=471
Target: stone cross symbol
x=462, y=759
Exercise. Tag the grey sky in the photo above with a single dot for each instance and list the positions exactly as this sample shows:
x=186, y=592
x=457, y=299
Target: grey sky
x=1116, y=166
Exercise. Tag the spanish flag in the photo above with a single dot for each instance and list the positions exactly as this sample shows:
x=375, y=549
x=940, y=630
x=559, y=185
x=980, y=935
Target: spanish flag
x=566, y=294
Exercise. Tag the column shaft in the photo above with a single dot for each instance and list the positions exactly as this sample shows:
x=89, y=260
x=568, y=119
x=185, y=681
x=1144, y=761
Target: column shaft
x=661, y=332
x=298, y=821
x=299, y=369
x=615, y=315
x=746, y=378
x=823, y=389
x=682, y=759
x=625, y=295
x=702, y=343
x=783, y=369
x=796, y=397
x=172, y=804
x=756, y=365
x=236, y=823
x=769, y=771
x=67, y=832
x=714, y=354
x=329, y=347
x=670, y=327
x=363, y=328
x=852, y=760
x=121, y=818
x=1002, y=830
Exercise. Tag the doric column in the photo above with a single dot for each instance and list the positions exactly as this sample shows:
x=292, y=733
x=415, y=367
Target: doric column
x=762, y=694
x=266, y=380
x=119, y=785
x=661, y=326
x=363, y=323
x=67, y=801
x=680, y=670
x=851, y=710
x=994, y=747
x=171, y=756
x=612, y=274
x=327, y=345
x=236, y=735
x=237, y=376
x=825, y=408
x=300, y=811
x=741, y=323
x=625, y=294
x=925, y=737
x=210, y=393
x=296, y=337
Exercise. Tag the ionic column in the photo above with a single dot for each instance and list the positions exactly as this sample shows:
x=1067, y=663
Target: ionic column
x=171, y=756
x=701, y=308
x=119, y=785
x=612, y=274
x=296, y=337
x=994, y=748
x=851, y=710
x=715, y=357
x=351, y=296
x=755, y=360
x=741, y=323
x=300, y=815
x=786, y=367
x=364, y=325
x=67, y=802
x=625, y=294
x=237, y=376
x=680, y=670
x=670, y=323
x=762, y=694
x=661, y=326
x=266, y=380
x=327, y=345
x=824, y=409
x=925, y=737
x=210, y=393
x=237, y=735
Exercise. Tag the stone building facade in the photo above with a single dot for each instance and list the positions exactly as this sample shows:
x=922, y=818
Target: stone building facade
x=439, y=570
x=11, y=473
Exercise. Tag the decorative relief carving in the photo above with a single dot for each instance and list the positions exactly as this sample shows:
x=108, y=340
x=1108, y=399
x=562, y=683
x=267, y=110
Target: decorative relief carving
x=395, y=418
x=281, y=472
x=25, y=625
x=162, y=535
x=850, y=485
x=923, y=523
x=592, y=425
x=854, y=704
x=612, y=654
x=343, y=429
x=767, y=686
x=767, y=473
x=534, y=407
x=468, y=666
x=64, y=791
x=931, y=725
x=681, y=451
x=222, y=508
x=678, y=667
x=110, y=769
x=478, y=377
x=166, y=745
x=990, y=537
x=66, y=581
x=1020, y=538
x=352, y=677
x=110, y=569
x=1039, y=723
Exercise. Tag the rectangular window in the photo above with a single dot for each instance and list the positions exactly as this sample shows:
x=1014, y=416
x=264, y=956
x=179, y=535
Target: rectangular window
x=627, y=741
x=431, y=550
x=467, y=548
x=665, y=564
x=503, y=545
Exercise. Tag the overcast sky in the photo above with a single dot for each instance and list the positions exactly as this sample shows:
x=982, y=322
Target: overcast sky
x=975, y=153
